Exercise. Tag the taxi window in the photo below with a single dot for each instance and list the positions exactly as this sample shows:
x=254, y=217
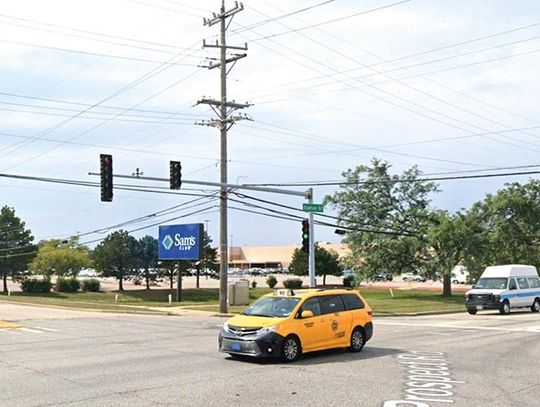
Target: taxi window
x=331, y=304
x=523, y=283
x=534, y=282
x=312, y=305
x=353, y=301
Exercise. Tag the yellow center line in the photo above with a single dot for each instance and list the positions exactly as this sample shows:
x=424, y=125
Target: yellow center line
x=9, y=325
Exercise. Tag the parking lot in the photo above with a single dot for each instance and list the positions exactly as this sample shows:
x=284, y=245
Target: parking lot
x=60, y=357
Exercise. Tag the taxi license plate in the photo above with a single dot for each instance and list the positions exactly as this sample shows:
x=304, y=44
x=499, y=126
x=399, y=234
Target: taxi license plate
x=479, y=307
x=236, y=347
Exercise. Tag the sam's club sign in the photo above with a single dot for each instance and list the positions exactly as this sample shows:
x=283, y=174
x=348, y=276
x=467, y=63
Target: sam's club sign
x=180, y=242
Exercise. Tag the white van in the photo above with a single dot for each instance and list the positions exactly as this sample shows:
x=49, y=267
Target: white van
x=505, y=287
x=460, y=275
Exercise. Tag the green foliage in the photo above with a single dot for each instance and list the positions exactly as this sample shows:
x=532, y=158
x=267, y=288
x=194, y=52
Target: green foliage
x=271, y=281
x=67, y=285
x=91, y=284
x=349, y=281
x=292, y=283
x=36, y=285
x=506, y=228
x=61, y=258
x=116, y=256
x=147, y=258
x=327, y=263
x=16, y=248
x=386, y=214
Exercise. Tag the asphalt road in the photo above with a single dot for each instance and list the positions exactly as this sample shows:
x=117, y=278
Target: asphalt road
x=71, y=358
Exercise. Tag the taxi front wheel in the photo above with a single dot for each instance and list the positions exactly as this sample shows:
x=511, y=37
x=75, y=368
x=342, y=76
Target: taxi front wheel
x=290, y=350
x=357, y=340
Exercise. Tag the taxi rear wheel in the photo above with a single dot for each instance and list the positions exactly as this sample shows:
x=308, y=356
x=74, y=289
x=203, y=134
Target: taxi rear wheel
x=471, y=311
x=358, y=340
x=290, y=351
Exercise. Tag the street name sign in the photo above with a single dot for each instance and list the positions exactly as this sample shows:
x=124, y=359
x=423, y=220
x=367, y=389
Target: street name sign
x=311, y=207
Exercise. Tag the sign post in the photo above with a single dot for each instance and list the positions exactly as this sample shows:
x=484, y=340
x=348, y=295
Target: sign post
x=180, y=242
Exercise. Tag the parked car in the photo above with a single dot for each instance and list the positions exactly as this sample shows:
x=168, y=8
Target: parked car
x=412, y=277
x=348, y=273
x=383, y=277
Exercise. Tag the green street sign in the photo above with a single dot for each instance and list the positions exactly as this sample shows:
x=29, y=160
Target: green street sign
x=310, y=207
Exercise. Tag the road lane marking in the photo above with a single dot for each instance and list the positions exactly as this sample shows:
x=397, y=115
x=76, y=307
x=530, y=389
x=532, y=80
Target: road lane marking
x=9, y=325
x=46, y=329
x=34, y=331
x=468, y=328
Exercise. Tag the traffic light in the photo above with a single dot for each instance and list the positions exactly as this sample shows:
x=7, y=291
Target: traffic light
x=106, y=173
x=305, y=236
x=175, y=178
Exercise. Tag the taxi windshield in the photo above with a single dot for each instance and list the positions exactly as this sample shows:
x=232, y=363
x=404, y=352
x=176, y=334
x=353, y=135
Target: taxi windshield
x=272, y=307
x=492, y=283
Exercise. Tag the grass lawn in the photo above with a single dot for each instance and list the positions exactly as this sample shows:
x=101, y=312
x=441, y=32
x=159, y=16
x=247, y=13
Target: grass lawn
x=206, y=299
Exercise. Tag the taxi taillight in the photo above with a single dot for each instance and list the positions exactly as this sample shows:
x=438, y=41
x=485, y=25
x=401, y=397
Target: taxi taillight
x=370, y=312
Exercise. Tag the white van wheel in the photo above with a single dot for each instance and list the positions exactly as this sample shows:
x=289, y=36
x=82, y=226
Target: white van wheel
x=505, y=308
x=536, y=305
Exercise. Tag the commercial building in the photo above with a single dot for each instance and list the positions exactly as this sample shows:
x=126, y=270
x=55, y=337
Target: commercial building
x=277, y=257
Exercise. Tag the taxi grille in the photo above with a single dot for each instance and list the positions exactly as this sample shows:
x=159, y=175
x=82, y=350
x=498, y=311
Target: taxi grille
x=242, y=331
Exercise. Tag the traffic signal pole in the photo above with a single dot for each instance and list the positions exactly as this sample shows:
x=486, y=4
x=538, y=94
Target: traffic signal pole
x=311, y=255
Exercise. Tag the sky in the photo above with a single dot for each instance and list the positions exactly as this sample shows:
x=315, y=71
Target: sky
x=451, y=87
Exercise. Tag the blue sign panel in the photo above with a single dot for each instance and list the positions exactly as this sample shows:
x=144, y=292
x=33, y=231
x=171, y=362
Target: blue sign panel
x=180, y=242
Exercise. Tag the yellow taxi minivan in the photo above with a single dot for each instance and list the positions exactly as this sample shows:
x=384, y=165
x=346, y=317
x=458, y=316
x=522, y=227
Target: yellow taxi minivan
x=288, y=323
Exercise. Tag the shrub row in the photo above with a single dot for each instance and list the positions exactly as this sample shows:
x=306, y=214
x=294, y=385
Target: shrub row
x=64, y=285
x=36, y=285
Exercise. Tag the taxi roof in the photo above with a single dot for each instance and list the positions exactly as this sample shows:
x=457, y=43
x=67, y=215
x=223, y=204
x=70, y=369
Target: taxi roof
x=305, y=292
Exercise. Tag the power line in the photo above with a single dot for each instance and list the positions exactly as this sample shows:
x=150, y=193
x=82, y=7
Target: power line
x=461, y=177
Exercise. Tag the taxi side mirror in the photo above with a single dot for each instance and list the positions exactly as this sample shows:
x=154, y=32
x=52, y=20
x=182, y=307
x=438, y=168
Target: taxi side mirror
x=306, y=314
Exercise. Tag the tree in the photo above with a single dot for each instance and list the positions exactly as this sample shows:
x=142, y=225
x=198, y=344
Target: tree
x=385, y=215
x=16, y=248
x=327, y=263
x=147, y=250
x=208, y=258
x=61, y=258
x=447, y=240
x=116, y=256
x=506, y=228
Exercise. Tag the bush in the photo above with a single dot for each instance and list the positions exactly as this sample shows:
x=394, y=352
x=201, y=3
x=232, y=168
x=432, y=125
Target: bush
x=349, y=281
x=91, y=284
x=36, y=285
x=271, y=281
x=292, y=283
x=67, y=285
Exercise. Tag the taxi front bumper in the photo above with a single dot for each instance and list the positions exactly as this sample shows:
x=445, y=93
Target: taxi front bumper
x=266, y=345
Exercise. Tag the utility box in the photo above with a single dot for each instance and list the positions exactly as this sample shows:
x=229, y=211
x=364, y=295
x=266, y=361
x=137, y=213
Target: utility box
x=238, y=293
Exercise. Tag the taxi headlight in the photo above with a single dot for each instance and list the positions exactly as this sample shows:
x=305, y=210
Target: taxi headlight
x=226, y=327
x=267, y=330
